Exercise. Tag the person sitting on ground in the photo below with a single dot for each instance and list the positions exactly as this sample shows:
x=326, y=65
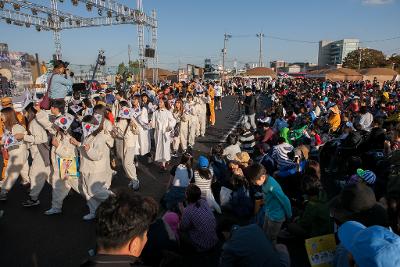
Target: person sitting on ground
x=121, y=231
x=280, y=155
x=182, y=175
x=233, y=147
x=246, y=139
x=249, y=246
x=198, y=224
x=372, y=246
x=315, y=219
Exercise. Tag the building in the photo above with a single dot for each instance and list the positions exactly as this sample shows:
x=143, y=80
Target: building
x=332, y=53
x=278, y=64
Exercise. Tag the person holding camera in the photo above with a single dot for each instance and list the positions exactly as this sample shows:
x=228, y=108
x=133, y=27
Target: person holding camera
x=60, y=81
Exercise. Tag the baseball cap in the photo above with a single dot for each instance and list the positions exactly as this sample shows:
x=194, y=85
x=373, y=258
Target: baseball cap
x=203, y=162
x=371, y=247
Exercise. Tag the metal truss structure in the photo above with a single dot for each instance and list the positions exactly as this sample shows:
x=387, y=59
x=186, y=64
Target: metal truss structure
x=110, y=12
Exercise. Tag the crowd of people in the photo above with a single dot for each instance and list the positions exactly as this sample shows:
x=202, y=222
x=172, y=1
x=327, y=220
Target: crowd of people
x=309, y=158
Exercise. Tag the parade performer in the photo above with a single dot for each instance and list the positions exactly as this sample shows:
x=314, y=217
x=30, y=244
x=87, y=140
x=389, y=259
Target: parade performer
x=190, y=112
x=181, y=128
x=211, y=94
x=93, y=163
x=126, y=129
x=17, y=152
x=63, y=152
x=163, y=123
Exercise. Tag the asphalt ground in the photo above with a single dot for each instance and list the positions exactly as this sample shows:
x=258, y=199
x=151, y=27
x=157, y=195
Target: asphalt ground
x=30, y=238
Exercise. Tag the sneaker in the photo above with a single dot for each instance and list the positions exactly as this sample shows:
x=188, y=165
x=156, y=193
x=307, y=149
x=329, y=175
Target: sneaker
x=89, y=217
x=30, y=203
x=134, y=184
x=52, y=211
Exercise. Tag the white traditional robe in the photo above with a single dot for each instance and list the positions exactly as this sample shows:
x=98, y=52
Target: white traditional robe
x=163, y=123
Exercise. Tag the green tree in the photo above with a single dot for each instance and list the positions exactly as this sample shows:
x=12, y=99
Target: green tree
x=134, y=67
x=394, y=60
x=121, y=68
x=370, y=58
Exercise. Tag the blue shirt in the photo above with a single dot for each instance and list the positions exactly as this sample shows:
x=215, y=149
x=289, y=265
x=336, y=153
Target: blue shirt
x=276, y=204
x=59, y=87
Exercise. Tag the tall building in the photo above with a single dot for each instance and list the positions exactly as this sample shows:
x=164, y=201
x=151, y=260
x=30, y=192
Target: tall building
x=332, y=53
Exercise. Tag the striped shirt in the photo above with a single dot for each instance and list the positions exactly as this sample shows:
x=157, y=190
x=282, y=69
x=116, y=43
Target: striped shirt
x=247, y=141
x=280, y=155
x=203, y=184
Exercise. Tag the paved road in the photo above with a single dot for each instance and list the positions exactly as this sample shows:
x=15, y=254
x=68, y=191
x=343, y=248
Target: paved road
x=29, y=238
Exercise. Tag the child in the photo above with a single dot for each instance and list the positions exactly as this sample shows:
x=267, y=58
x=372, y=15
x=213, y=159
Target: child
x=277, y=205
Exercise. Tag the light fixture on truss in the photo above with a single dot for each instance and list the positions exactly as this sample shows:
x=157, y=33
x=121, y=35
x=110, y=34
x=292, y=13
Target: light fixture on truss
x=8, y=21
x=109, y=13
x=74, y=2
x=1, y=4
x=34, y=11
x=100, y=12
x=27, y=24
x=17, y=7
x=89, y=6
x=62, y=19
x=38, y=28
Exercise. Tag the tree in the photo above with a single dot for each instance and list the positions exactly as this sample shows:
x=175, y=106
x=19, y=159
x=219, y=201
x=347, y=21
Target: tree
x=394, y=61
x=370, y=58
x=121, y=68
x=134, y=67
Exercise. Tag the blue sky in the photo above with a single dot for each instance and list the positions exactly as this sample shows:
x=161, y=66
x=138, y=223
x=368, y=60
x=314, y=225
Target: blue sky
x=190, y=31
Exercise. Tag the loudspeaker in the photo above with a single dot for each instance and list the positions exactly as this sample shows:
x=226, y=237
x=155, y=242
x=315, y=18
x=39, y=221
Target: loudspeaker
x=149, y=52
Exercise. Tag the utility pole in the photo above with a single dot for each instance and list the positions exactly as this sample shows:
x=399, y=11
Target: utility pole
x=260, y=55
x=359, y=59
x=226, y=37
x=129, y=57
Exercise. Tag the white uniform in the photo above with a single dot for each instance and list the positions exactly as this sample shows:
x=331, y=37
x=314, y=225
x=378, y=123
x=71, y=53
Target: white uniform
x=182, y=137
x=144, y=134
x=163, y=123
x=61, y=185
x=17, y=162
x=130, y=147
x=94, y=171
x=190, y=111
x=38, y=172
x=201, y=108
x=107, y=129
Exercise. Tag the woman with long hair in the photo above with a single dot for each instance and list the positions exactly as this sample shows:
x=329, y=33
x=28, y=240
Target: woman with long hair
x=107, y=127
x=62, y=151
x=126, y=130
x=38, y=143
x=163, y=123
x=141, y=117
x=93, y=163
x=182, y=176
x=17, y=153
x=181, y=127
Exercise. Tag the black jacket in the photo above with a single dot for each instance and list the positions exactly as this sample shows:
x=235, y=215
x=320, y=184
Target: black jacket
x=250, y=105
x=103, y=260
